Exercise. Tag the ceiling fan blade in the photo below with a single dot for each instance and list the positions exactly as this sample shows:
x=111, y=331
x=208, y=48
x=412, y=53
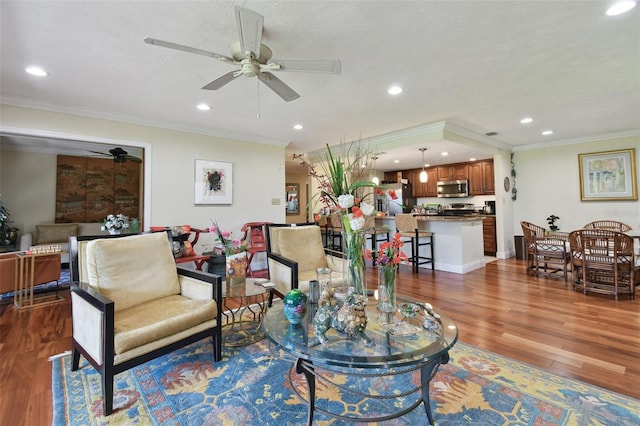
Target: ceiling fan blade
x=275, y=84
x=170, y=45
x=250, y=30
x=132, y=158
x=100, y=153
x=221, y=81
x=321, y=66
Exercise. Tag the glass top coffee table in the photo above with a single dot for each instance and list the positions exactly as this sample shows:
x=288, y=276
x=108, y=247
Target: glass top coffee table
x=401, y=345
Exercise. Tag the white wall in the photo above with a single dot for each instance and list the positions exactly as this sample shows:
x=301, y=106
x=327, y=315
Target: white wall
x=27, y=182
x=548, y=183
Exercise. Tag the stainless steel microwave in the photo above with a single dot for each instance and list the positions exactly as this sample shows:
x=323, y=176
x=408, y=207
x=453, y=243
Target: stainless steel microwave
x=453, y=188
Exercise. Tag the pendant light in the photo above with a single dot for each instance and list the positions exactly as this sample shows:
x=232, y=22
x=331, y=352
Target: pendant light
x=423, y=174
x=375, y=179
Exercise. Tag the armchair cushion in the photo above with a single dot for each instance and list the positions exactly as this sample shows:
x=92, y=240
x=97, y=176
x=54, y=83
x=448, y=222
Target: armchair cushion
x=158, y=319
x=133, y=270
x=303, y=244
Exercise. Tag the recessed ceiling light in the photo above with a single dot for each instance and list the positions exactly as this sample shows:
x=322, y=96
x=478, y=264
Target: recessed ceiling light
x=396, y=161
x=444, y=154
x=472, y=159
x=620, y=7
x=298, y=126
x=526, y=120
x=547, y=132
x=203, y=107
x=37, y=71
x=394, y=90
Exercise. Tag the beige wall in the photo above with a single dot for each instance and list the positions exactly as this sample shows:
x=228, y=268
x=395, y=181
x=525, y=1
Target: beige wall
x=27, y=180
x=548, y=183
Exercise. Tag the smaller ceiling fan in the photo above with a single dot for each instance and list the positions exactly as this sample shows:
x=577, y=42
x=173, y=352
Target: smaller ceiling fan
x=119, y=155
x=254, y=58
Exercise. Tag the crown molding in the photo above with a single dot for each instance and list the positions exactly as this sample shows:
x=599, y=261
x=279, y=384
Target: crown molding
x=22, y=102
x=583, y=139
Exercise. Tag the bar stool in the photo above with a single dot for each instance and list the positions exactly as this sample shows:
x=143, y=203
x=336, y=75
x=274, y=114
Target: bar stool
x=407, y=227
x=375, y=235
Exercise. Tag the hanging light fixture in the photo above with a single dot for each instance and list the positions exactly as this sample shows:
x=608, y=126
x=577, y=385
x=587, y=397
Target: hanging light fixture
x=423, y=174
x=375, y=179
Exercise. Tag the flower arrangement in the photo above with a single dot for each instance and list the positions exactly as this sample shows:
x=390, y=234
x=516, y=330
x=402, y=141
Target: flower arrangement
x=226, y=244
x=341, y=180
x=115, y=223
x=389, y=257
x=390, y=253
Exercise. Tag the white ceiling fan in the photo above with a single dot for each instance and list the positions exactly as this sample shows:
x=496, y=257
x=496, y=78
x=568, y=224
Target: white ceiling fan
x=254, y=58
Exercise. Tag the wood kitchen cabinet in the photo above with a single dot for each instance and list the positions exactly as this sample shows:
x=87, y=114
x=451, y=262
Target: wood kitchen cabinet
x=393, y=177
x=453, y=172
x=481, y=180
x=489, y=236
x=427, y=189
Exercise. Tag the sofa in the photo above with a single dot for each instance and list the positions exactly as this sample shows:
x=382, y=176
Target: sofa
x=46, y=269
x=58, y=233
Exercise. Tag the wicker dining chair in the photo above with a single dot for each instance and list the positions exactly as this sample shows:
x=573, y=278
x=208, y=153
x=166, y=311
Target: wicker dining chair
x=611, y=225
x=546, y=254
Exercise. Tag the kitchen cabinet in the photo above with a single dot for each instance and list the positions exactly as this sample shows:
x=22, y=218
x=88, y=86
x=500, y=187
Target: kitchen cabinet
x=481, y=180
x=419, y=189
x=453, y=172
x=393, y=177
x=489, y=235
x=431, y=187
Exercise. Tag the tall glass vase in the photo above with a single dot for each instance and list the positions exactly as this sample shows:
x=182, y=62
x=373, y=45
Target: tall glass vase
x=387, y=288
x=354, y=277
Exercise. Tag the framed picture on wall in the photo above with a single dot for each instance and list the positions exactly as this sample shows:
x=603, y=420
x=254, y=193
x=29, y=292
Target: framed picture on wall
x=292, y=193
x=608, y=175
x=213, y=182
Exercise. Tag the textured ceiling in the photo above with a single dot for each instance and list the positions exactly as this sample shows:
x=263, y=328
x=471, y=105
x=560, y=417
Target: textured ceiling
x=478, y=66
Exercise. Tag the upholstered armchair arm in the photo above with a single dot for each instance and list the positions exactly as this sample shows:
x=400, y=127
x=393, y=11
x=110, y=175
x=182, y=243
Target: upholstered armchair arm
x=199, y=285
x=283, y=272
x=93, y=322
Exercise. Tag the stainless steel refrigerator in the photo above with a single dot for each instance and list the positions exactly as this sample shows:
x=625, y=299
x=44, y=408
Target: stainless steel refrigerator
x=396, y=198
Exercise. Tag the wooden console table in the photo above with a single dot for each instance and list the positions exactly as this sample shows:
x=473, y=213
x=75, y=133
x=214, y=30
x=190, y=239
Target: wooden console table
x=23, y=295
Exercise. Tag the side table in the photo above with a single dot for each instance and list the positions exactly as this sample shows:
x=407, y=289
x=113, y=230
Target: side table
x=244, y=306
x=26, y=264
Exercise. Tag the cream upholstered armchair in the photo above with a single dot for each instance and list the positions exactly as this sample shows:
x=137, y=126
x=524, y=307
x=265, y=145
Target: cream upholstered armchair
x=295, y=252
x=130, y=303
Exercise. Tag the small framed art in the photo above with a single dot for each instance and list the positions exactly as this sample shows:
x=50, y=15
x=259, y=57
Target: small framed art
x=213, y=182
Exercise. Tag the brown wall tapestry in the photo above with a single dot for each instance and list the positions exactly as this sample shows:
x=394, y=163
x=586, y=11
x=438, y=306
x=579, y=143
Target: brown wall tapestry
x=88, y=189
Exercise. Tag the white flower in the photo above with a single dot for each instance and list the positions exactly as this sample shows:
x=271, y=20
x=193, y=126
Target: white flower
x=345, y=201
x=367, y=209
x=357, y=223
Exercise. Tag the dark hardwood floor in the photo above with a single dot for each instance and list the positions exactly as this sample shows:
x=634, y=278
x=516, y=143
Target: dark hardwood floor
x=540, y=321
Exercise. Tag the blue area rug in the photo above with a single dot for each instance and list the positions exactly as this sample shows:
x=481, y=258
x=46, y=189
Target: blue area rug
x=63, y=282
x=251, y=386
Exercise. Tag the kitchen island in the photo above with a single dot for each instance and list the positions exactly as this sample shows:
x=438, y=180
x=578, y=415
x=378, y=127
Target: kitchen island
x=457, y=240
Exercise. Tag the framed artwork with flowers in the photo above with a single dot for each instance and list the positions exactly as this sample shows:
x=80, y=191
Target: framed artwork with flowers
x=213, y=182
x=608, y=176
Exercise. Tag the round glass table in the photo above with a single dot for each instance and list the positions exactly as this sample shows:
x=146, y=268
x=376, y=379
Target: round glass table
x=398, y=345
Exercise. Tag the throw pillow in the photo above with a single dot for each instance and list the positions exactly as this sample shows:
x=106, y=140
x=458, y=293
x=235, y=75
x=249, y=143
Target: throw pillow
x=55, y=233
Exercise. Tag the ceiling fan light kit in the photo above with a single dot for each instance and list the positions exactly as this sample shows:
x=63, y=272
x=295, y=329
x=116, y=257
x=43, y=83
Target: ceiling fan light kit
x=254, y=58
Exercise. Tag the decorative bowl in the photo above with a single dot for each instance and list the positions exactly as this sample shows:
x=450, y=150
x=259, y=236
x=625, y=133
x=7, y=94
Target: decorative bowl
x=409, y=310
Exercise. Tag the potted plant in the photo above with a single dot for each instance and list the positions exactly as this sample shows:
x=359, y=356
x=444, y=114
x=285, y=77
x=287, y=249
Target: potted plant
x=551, y=220
x=8, y=234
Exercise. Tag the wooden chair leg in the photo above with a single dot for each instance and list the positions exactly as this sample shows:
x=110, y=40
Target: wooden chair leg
x=107, y=392
x=75, y=358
